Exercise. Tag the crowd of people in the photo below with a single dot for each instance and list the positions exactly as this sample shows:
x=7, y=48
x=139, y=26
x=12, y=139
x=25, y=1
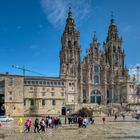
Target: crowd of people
x=81, y=121
x=41, y=125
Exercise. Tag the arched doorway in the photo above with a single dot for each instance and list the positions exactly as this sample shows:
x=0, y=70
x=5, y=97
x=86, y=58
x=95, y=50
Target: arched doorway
x=63, y=111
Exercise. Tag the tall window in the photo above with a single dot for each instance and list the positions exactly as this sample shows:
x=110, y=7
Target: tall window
x=43, y=102
x=98, y=97
x=84, y=96
x=24, y=102
x=92, y=96
x=96, y=79
x=32, y=102
x=10, y=81
x=54, y=102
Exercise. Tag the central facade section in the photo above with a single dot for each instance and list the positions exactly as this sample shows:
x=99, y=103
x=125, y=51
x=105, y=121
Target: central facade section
x=100, y=78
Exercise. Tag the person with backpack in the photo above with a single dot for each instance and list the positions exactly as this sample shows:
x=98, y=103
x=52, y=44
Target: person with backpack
x=27, y=126
x=36, y=125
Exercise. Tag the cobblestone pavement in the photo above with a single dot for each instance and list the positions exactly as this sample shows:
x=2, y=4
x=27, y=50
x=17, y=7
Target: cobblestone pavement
x=112, y=130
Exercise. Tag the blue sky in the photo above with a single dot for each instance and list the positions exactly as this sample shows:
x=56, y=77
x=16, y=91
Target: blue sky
x=30, y=30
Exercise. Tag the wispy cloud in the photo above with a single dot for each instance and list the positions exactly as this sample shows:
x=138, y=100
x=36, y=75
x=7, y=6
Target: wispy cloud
x=37, y=50
x=133, y=70
x=33, y=47
x=127, y=29
x=56, y=10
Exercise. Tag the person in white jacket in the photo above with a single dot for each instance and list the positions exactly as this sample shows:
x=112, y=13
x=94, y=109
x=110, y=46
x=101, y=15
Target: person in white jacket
x=85, y=122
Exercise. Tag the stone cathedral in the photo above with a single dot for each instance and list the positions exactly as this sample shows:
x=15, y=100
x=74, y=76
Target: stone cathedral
x=100, y=78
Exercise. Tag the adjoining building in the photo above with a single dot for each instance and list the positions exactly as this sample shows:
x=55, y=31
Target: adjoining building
x=100, y=78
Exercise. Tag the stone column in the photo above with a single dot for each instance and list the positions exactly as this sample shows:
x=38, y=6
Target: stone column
x=88, y=94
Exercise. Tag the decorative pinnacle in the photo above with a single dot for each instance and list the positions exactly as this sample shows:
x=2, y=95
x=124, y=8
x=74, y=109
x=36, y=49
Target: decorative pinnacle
x=95, y=37
x=112, y=19
x=70, y=12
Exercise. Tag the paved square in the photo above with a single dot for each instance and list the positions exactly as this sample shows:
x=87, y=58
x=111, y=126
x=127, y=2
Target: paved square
x=112, y=130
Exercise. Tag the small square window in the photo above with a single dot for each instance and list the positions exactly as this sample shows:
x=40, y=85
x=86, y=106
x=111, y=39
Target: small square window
x=43, y=88
x=10, y=98
x=62, y=94
x=43, y=93
x=40, y=82
x=52, y=88
x=62, y=89
x=30, y=93
x=10, y=93
x=52, y=93
x=44, y=82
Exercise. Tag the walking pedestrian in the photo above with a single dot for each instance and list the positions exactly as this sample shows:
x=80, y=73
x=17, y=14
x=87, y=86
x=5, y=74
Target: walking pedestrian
x=27, y=126
x=115, y=117
x=103, y=119
x=36, y=125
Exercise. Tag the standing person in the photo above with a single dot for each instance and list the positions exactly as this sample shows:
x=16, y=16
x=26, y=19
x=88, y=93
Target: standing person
x=30, y=124
x=46, y=122
x=27, y=126
x=103, y=119
x=80, y=120
x=49, y=121
x=115, y=117
x=65, y=120
x=93, y=120
x=20, y=121
x=123, y=116
x=36, y=125
x=42, y=125
x=84, y=122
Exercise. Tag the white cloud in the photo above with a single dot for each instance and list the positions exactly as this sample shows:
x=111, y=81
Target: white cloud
x=19, y=27
x=34, y=47
x=56, y=10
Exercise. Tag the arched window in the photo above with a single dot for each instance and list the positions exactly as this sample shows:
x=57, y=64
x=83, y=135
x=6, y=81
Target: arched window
x=96, y=69
x=96, y=79
x=96, y=51
x=75, y=43
x=69, y=44
x=84, y=96
x=92, y=96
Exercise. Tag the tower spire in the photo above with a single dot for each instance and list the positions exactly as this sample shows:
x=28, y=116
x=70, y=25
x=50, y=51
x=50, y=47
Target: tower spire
x=112, y=21
x=70, y=12
x=95, y=37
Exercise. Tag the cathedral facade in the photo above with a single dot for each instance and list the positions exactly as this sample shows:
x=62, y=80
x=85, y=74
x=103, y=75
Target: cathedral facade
x=99, y=78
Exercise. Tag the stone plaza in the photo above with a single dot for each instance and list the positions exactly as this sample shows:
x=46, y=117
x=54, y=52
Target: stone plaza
x=112, y=130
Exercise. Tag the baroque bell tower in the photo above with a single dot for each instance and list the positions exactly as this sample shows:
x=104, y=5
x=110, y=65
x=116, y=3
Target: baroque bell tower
x=114, y=55
x=70, y=51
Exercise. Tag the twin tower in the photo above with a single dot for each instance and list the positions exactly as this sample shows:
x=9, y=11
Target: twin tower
x=101, y=76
